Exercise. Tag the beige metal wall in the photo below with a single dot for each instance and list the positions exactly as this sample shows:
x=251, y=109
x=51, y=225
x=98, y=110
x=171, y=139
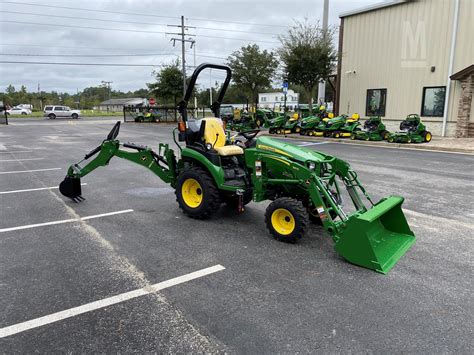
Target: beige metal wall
x=381, y=47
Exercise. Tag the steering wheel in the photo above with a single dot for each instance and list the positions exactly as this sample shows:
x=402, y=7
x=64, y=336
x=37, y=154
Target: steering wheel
x=250, y=134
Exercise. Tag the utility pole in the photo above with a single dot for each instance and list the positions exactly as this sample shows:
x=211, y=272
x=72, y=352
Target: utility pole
x=210, y=87
x=107, y=85
x=183, y=41
x=322, y=84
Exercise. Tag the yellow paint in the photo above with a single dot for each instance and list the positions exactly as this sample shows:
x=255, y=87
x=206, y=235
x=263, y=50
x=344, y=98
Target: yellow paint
x=283, y=221
x=281, y=160
x=191, y=192
x=271, y=149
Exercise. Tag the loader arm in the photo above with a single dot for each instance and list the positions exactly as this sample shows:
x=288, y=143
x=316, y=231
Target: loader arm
x=375, y=235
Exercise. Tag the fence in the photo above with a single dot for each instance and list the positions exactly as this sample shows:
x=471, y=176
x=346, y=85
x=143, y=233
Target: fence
x=160, y=114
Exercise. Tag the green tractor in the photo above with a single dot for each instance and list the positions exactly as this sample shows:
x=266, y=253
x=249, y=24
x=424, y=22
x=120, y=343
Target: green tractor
x=302, y=185
x=374, y=130
x=309, y=125
x=245, y=122
x=284, y=124
x=147, y=116
x=338, y=127
x=412, y=130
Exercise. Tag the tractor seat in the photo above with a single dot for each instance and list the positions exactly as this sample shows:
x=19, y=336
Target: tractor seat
x=214, y=134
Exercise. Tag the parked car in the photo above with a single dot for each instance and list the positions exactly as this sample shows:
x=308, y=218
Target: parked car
x=18, y=111
x=60, y=111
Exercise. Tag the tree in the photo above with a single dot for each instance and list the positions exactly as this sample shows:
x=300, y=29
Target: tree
x=308, y=55
x=252, y=69
x=169, y=84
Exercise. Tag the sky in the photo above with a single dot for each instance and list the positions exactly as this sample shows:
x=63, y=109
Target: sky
x=133, y=32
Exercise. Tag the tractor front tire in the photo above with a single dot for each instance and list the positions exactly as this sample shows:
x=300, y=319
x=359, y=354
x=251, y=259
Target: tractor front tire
x=197, y=194
x=286, y=219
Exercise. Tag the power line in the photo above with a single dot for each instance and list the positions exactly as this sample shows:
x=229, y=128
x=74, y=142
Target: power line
x=132, y=22
x=141, y=14
x=204, y=55
x=125, y=30
x=94, y=10
x=83, y=64
x=238, y=23
x=85, y=55
x=82, y=27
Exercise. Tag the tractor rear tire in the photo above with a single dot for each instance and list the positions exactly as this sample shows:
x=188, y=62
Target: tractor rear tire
x=287, y=219
x=197, y=194
x=427, y=136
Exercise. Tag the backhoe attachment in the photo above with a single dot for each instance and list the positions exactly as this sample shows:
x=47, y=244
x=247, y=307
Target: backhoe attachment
x=162, y=163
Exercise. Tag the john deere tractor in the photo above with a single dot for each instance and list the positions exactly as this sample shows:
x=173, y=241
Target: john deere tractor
x=210, y=168
x=338, y=127
x=374, y=130
x=412, y=130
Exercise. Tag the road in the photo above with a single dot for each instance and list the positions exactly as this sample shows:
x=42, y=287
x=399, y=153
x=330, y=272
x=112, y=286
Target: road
x=265, y=296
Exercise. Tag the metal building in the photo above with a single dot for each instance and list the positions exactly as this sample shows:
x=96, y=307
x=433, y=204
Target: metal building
x=409, y=56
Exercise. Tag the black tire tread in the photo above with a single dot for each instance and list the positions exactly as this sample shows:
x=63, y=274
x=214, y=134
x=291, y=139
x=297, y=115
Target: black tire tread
x=296, y=207
x=214, y=197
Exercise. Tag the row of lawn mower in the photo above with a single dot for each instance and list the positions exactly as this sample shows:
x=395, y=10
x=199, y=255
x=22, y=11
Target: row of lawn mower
x=412, y=130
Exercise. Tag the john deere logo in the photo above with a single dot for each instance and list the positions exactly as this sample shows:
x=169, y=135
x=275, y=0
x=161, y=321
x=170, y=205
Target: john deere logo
x=143, y=158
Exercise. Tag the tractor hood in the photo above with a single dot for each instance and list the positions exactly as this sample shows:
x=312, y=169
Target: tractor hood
x=271, y=145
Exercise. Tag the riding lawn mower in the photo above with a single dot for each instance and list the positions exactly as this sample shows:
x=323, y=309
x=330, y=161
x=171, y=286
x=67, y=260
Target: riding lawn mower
x=374, y=130
x=412, y=130
x=210, y=168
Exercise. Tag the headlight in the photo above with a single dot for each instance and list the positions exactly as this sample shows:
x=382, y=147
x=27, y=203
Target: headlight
x=209, y=146
x=311, y=165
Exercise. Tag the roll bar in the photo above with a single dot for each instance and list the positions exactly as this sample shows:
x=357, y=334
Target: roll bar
x=215, y=107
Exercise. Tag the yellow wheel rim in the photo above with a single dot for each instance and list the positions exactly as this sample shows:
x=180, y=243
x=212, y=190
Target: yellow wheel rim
x=428, y=137
x=191, y=192
x=283, y=221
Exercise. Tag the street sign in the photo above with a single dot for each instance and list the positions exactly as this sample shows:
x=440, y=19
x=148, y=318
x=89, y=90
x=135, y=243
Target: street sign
x=285, y=87
x=152, y=101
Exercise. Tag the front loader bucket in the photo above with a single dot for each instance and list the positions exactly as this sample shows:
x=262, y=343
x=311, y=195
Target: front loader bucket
x=71, y=187
x=376, y=239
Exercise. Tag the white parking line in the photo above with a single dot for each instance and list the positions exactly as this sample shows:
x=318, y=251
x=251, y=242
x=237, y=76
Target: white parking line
x=28, y=226
x=27, y=171
x=314, y=143
x=16, y=151
x=88, y=307
x=37, y=189
x=27, y=159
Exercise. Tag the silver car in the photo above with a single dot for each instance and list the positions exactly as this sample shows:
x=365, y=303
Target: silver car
x=60, y=111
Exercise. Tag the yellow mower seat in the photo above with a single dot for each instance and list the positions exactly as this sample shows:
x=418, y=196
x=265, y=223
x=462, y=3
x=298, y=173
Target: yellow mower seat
x=214, y=134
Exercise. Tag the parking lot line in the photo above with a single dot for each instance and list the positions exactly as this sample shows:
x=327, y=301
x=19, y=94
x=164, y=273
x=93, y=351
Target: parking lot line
x=306, y=144
x=28, y=226
x=27, y=159
x=27, y=171
x=37, y=189
x=17, y=151
x=88, y=307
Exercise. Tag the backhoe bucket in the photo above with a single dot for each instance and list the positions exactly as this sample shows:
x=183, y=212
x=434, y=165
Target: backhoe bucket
x=376, y=239
x=71, y=187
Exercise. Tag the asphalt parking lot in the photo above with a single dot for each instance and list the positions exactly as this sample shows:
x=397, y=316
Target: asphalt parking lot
x=241, y=290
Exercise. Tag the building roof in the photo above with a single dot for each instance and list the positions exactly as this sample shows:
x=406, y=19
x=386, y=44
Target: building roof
x=125, y=101
x=369, y=8
x=460, y=75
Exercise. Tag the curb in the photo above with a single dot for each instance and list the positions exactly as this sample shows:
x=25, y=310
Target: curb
x=380, y=144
